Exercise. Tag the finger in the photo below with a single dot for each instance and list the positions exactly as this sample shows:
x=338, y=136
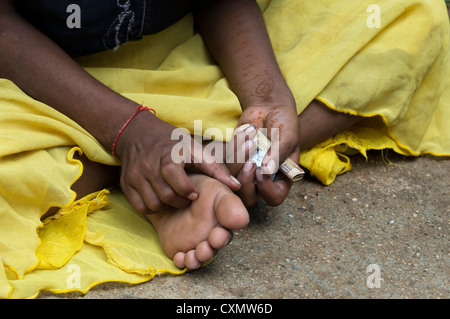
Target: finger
x=175, y=176
x=153, y=200
x=156, y=193
x=217, y=171
x=167, y=195
x=248, y=192
x=137, y=182
x=135, y=200
x=239, y=148
x=273, y=192
x=271, y=160
x=280, y=149
x=144, y=201
x=237, y=151
x=235, y=165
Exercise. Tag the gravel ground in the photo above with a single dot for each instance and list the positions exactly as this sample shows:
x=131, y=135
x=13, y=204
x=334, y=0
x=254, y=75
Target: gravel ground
x=379, y=231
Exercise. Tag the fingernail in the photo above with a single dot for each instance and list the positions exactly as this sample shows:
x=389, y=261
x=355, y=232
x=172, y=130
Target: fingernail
x=248, y=166
x=271, y=166
x=234, y=179
x=193, y=196
x=250, y=129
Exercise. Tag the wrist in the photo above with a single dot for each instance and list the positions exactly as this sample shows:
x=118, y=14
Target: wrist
x=143, y=119
x=141, y=108
x=283, y=102
x=268, y=93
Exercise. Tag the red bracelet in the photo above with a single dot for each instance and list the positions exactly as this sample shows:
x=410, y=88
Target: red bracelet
x=140, y=109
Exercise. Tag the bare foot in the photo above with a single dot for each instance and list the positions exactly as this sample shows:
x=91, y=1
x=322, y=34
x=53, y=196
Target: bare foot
x=190, y=236
x=193, y=235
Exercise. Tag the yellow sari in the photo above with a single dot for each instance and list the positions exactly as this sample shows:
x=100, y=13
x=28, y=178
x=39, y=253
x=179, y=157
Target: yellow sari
x=388, y=63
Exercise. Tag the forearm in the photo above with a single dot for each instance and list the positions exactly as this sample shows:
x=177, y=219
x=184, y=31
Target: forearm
x=235, y=33
x=46, y=73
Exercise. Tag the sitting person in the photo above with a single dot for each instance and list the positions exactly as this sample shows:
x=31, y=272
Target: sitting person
x=264, y=95
x=193, y=205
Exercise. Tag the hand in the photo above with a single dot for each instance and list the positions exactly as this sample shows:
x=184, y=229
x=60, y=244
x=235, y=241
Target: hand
x=285, y=143
x=152, y=176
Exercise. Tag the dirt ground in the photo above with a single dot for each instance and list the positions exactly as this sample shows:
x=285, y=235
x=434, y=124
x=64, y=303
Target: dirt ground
x=379, y=231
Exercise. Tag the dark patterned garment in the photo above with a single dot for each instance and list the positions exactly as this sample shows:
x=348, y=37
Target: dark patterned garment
x=83, y=27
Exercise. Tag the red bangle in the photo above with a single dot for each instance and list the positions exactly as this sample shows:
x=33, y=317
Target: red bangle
x=140, y=109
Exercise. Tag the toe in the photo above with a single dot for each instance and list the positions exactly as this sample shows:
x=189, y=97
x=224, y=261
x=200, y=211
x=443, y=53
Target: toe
x=178, y=259
x=191, y=261
x=186, y=260
x=219, y=237
x=204, y=252
x=231, y=212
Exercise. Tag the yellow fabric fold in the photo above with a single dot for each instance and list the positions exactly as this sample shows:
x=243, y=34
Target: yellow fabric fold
x=31, y=183
x=63, y=233
x=129, y=241
x=395, y=75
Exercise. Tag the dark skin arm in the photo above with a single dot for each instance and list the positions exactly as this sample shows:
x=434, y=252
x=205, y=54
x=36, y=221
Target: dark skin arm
x=235, y=33
x=150, y=180
x=45, y=72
